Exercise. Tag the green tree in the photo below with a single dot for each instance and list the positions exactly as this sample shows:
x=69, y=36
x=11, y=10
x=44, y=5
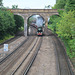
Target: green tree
x=19, y=21
x=53, y=22
x=1, y=4
x=48, y=7
x=14, y=6
x=60, y=4
x=70, y=5
x=7, y=23
x=65, y=25
x=66, y=30
x=54, y=19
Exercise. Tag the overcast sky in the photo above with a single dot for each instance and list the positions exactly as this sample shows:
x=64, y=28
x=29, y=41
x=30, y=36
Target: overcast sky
x=32, y=4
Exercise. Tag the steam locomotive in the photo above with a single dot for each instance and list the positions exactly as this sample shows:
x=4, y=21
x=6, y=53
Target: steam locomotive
x=40, y=31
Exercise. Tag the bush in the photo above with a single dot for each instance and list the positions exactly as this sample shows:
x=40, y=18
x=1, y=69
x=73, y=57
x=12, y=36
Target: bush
x=19, y=21
x=66, y=30
x=7, y=23
x=64, y=27
x=54, y=20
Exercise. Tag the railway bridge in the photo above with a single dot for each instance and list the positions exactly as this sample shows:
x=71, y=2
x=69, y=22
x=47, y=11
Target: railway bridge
x=26, y=13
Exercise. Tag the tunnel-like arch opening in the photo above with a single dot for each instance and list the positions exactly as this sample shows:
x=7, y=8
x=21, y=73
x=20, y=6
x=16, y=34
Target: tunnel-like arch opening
x=19, y=28
x=33, y=22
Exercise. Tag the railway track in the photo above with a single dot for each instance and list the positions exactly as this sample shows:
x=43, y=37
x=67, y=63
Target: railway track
x=6, y=57
x=31, y=56
x=63, y=64
x=10, y=65
x=12, y=57
x=13, y=44
x=9, y=41
x=20, y=61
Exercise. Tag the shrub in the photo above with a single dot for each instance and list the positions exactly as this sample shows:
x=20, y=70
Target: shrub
x=66, y=30
x=19, y=22
x=7, y=23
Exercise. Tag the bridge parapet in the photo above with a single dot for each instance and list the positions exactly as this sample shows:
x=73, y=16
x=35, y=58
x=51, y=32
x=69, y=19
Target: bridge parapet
x=33, y=10
x=26, y=13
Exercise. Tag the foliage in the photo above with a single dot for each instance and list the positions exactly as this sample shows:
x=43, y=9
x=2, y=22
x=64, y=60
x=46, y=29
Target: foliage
x=48, y=7
x=72, y=41
x=65, y=23
x=7, y=23
x=70, y=5
x=54, y=19
x=60, y=4
x=19, y=22
x=14, y=6
x=6, y=38
x=65, y=26
x=8, y=26
x=53, y=22
x=65, y=4
x=66, y=30
x=1, y=4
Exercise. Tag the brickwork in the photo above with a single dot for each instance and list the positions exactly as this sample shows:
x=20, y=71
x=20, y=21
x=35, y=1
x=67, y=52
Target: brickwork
x=26, y=13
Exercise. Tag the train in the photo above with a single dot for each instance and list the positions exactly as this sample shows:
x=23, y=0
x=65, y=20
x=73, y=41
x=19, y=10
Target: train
x=40, y=31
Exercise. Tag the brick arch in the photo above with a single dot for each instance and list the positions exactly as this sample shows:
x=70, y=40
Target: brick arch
x=20, y=15
x=25, y=13
x=36, y=14
x=44, y=16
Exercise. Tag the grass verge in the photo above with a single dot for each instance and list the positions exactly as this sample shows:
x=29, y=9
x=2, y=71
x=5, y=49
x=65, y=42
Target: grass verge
x=6, y=38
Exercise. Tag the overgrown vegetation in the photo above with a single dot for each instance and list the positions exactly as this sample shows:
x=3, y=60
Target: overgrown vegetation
x=6, y=38
x=1, y=4
x=7, y=24
x=19, y=22
x=65, y=30
x=64, y=24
